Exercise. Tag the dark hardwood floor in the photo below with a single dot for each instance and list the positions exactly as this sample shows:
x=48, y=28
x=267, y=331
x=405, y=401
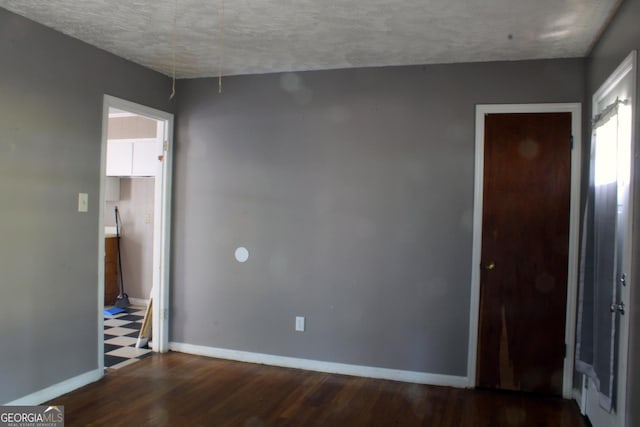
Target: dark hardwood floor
x=177, y=389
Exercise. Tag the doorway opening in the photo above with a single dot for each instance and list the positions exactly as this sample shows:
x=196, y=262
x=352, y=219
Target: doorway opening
x=510, y=267
x=135, y=200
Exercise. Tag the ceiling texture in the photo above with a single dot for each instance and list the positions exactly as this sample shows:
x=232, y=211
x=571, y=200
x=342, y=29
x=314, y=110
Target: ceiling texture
x=262, y=36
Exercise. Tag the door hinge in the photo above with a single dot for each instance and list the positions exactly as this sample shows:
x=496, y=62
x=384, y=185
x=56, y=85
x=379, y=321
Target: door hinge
x=571, y=142
x=617, y=307
x=564, y=351
x=165, y=146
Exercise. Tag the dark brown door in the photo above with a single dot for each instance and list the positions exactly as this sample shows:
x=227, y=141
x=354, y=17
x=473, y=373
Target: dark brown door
x=525, y=241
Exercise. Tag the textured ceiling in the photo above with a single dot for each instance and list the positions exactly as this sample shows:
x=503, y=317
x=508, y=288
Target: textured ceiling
x=291, y=35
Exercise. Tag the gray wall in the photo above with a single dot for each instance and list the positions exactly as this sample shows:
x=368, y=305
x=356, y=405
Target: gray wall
x=621, y=37
x=353, y=191
x=51, y=89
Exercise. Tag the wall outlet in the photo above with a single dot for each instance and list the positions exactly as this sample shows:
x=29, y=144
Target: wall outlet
x=83, y=202
x=300, y=323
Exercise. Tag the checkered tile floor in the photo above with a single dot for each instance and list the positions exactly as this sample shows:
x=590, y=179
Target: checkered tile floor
x=120, y=337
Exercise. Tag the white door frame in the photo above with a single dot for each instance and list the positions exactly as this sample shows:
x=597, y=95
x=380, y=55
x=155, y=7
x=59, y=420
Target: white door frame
x=162, y=226
x=572, y=274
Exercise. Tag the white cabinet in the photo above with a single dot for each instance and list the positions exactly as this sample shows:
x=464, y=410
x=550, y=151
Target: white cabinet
x=133, y=157
x=145, y=158
x=119, y=157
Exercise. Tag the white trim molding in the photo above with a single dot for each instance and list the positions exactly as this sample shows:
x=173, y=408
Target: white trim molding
x=321, y=366
x=574, y=225
x=58, y=389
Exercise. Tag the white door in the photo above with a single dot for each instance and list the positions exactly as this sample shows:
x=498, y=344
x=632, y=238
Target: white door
x=613, y=146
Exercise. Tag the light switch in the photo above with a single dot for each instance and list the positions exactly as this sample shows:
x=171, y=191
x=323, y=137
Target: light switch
x=83, y=202
x=300, y=323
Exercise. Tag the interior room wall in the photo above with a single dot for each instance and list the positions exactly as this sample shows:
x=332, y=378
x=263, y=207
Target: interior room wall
x=51, y=96
x=132, y=127
x=109, y=213
x=353, y=192
x=136, y=242
x=620, y=38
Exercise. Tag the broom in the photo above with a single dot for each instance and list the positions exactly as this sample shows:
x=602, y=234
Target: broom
x=123, y=299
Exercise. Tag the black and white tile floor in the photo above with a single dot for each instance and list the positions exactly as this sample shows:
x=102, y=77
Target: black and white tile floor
x=120, y=338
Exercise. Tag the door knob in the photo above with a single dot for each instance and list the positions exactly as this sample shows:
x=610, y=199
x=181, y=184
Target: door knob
x=490, y=266
x=617, y=307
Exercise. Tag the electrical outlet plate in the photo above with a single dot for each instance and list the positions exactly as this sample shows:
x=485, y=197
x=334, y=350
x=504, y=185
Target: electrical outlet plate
x=300, y=323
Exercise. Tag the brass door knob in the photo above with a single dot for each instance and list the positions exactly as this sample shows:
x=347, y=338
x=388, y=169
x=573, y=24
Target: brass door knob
x=490, y=266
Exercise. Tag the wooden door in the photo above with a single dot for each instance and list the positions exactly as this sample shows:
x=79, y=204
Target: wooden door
x=525, y=244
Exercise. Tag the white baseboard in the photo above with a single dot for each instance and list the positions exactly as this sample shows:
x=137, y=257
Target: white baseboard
x=138, y=301
x=58, y=389
x=320, y=366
